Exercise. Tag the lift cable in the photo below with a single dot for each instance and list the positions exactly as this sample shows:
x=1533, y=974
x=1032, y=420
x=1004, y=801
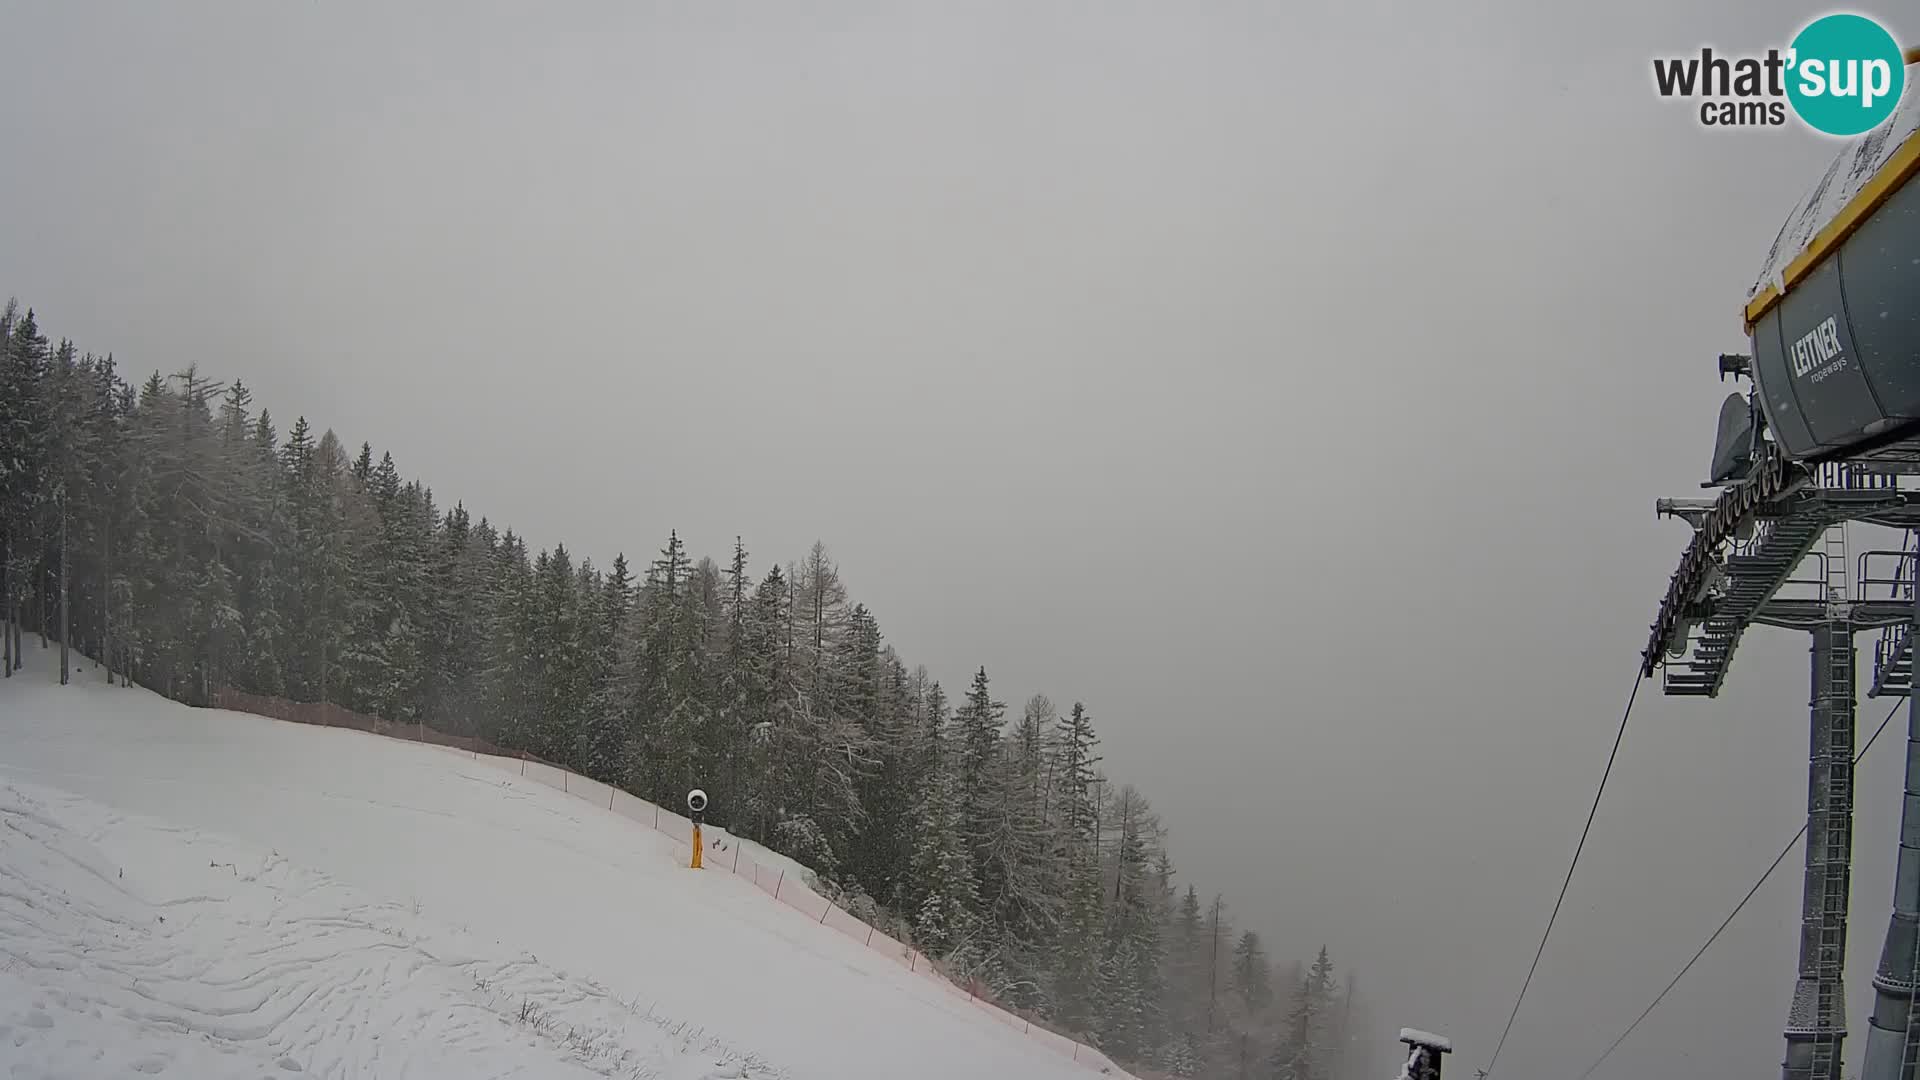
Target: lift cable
x=1715, y=936
x=1578, y=848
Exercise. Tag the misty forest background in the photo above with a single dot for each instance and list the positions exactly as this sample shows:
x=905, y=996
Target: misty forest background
x=198, y=548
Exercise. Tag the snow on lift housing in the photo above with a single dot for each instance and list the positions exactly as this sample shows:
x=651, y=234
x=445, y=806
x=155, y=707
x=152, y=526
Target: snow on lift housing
x=1834, y=325
x=1834, y=319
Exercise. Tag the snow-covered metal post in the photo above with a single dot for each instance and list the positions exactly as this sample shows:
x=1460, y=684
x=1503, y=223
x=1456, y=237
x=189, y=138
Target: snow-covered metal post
x=696, y=806
x=1424, y=1050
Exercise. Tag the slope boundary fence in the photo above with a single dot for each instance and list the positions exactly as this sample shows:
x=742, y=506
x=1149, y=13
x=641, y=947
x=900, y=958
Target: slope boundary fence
x=774, y=880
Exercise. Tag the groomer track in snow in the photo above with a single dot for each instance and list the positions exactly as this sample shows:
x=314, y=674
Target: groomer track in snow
x=211, y=894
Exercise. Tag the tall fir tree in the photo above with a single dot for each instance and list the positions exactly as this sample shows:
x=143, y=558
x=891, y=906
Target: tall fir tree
x=170, y=529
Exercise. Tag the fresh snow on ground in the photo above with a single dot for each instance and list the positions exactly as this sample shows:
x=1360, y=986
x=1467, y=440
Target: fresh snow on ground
x=210, y=894
x=136, y=947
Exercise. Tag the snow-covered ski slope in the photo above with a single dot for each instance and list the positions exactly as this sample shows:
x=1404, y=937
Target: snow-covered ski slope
x=212, y=894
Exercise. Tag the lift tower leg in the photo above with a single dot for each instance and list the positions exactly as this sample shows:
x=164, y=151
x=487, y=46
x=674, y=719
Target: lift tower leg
x=1817, y=1022
x=1891, y=1034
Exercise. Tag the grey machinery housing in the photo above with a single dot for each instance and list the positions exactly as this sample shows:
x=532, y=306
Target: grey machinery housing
x=1836, y=356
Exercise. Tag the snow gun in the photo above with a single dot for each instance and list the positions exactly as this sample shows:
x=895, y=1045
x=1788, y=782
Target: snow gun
x=696, y=806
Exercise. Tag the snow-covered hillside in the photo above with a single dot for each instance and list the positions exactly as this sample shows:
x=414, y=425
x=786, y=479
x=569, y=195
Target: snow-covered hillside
x=212, y=894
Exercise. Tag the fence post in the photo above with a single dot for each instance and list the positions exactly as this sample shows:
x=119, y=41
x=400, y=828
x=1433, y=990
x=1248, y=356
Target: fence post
x=777, y=884
x=869, y=937
x=609, y=798
x=736, y=855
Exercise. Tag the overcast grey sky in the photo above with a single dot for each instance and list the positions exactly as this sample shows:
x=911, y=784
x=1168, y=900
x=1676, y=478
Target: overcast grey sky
x=1291, y=383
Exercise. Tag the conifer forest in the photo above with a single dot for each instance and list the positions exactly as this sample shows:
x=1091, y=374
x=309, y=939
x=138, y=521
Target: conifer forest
x=172, y=533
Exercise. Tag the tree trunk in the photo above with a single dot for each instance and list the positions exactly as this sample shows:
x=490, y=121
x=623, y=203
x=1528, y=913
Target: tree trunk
x=106, y=606
x=1213, y=965
x=66, y=621
x=14, y=598
x=43, y=620
x=126, y=643
x=6, y=607
x=323, y=669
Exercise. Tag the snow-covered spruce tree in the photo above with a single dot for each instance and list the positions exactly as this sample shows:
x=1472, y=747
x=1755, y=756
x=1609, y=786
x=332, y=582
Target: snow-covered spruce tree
x=927, y=759
x=267, y=644
x=299, y=588
x=878, y=702
x=1082, y=943
x=508, y=678
x=70, y=522
x=606, y=721
x=1252, y=974
x=832, y=752
x=1072, y=769
x=943, y=919
x=977, y=729
x=1023, y=849
x=1133, y=1024
x=113, y=403
x=733, y=720
x=24, y=431
x=209, y=551
x=1303, y=1050
x=352, y=651
x=459, y=636
x=759, y=669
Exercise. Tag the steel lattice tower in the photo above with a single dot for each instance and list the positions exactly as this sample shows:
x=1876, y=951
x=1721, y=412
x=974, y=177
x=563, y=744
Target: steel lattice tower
x=1757, y=579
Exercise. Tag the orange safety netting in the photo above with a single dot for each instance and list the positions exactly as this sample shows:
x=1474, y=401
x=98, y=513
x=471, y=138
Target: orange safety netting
x=732, y=858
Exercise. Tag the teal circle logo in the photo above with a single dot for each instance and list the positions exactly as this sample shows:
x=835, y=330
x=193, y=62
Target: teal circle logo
x=1845, y=75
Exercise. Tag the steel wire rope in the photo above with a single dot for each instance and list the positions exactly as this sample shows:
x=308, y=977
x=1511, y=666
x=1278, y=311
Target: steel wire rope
x=1585, y=830
x=1724, y=923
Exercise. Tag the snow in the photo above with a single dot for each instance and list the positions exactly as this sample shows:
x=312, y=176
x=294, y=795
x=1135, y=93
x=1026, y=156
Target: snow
x=1425, y=1038
x=214, y=960
x=209, y=894
x=1850, y=171
x=720, y=839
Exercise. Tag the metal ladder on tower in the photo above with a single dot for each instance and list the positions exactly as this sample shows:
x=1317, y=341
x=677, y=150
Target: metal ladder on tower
x=1892, y=660
x=1836, y=837
x=1835, y=683
x=1910, y=1050
x=1834, y=556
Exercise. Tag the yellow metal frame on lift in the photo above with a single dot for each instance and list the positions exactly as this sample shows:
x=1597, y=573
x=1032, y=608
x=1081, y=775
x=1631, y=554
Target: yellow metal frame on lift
x=1885, y=184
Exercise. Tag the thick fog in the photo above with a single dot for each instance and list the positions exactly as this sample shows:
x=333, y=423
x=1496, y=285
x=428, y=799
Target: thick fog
x=1291, y=384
